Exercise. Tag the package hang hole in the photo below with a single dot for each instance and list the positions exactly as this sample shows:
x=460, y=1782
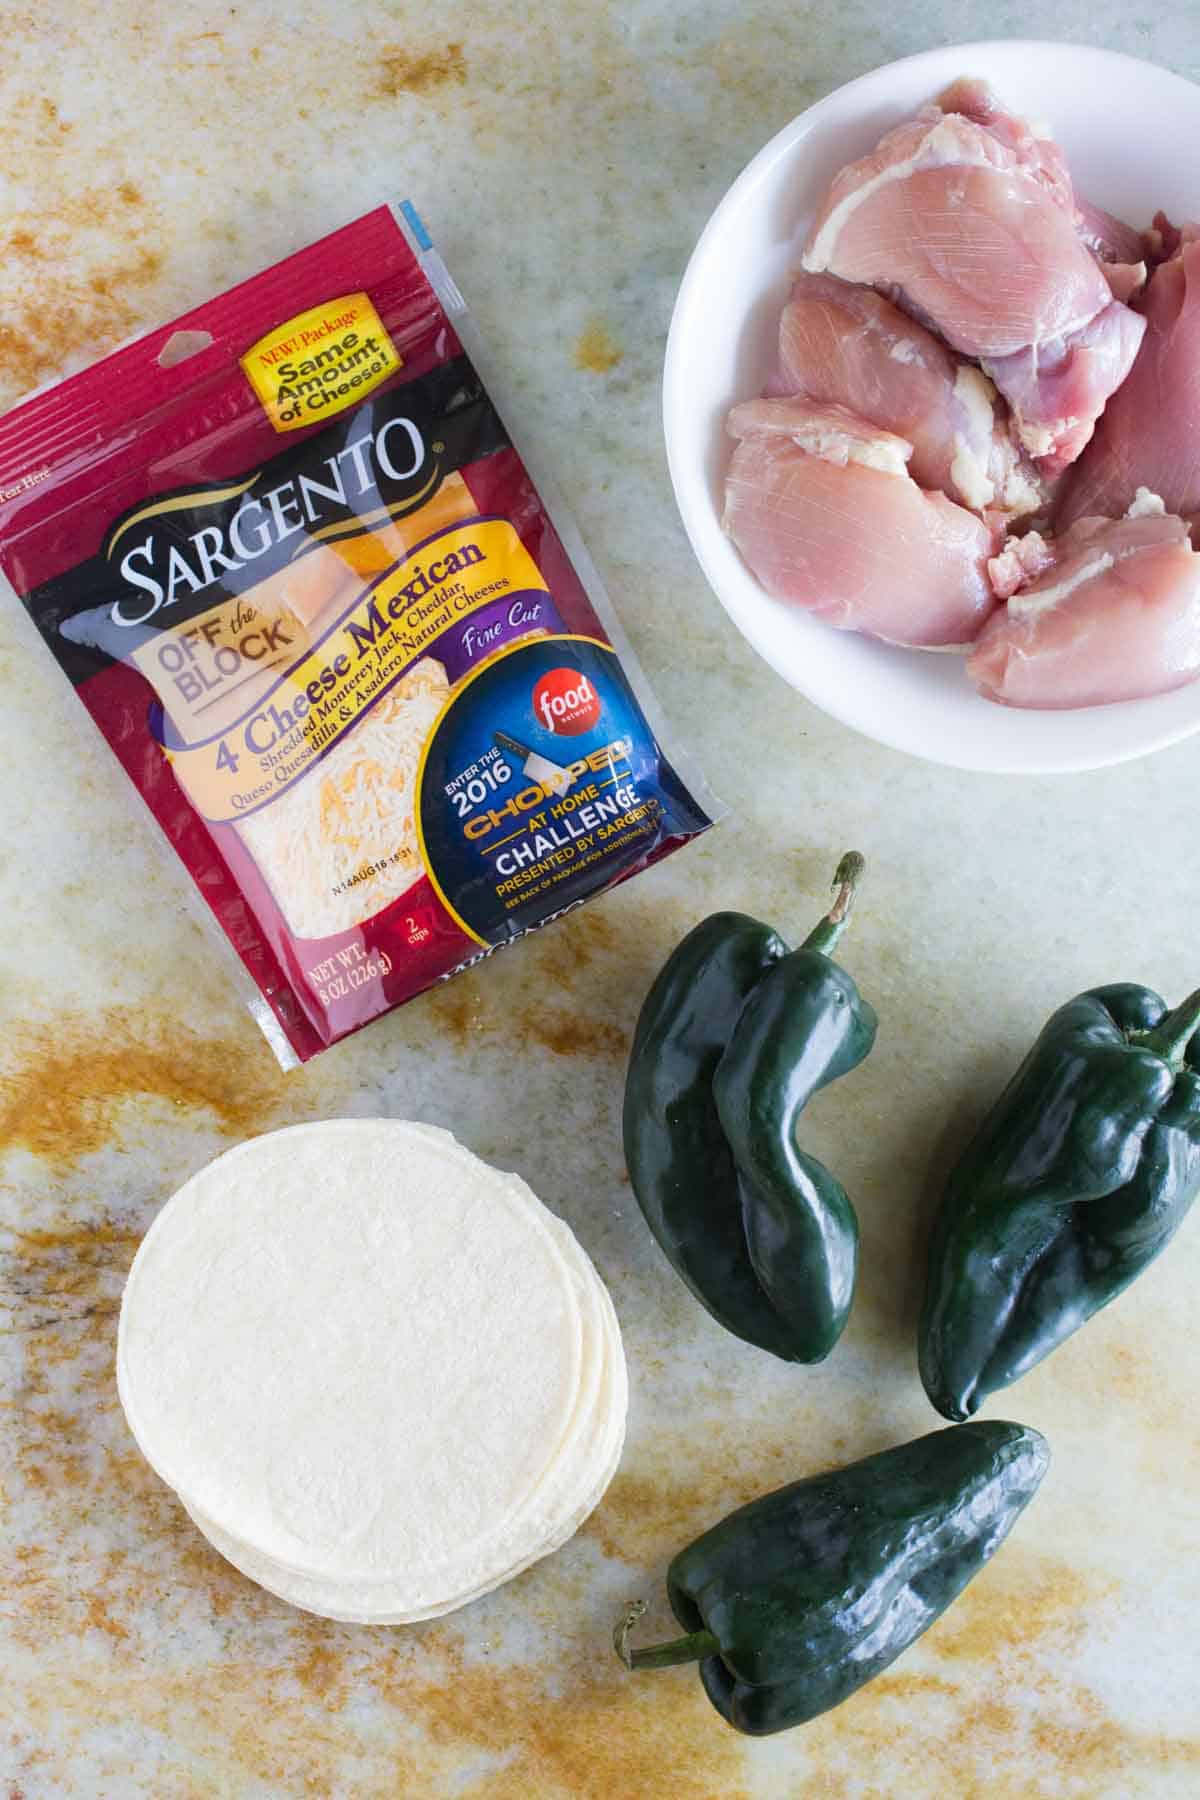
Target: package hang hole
x=181, y=345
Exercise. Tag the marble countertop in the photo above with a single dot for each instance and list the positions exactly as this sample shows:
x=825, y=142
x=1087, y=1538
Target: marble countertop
x=151, y=157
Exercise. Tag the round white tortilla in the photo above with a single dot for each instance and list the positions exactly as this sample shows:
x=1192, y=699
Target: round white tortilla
x=357, y=1349
x=592, y=1298
x=569, y=1493
x=374, y=1603
x=551, y=1513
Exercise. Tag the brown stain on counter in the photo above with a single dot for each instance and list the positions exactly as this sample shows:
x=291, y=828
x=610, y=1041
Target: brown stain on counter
x=456, y=1011
x=71, y=1074
x=46, y=324
x=402, y=72
x=596, y=352
x=1029, y=1599
x=467, y=1013
x=573, y=989
x=591, y=934
x=645, y=1518
x=566, y=1034
x=683, y=1485
x=587, y=1732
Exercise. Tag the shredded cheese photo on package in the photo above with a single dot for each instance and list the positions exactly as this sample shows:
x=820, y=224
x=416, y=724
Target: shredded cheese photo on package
x=355, y=660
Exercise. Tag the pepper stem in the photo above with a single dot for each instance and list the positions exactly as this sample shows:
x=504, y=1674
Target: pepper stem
x=692, y=1648
x=1173, y=1033
x=824, y=936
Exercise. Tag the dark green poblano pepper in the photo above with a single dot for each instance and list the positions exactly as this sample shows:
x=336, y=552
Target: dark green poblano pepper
x=735, y=1036
x=1080, y=1175
x=795, y=1601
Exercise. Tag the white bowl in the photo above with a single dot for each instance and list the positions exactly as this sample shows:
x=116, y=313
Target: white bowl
x=1129, y=131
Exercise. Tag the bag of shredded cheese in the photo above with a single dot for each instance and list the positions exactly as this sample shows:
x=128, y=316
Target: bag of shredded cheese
x=363, y=676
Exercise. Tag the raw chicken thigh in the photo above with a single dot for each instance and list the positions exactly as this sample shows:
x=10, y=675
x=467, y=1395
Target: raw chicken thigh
x=1150, y=433
x=1057, y=387
x=822, y=507
x=968, y=219
x=1117, y=246
x=850, y=346
x=1033, y=151
x=1110, y=611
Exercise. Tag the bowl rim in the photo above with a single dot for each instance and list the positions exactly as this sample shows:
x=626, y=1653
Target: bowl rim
x=689, y=298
